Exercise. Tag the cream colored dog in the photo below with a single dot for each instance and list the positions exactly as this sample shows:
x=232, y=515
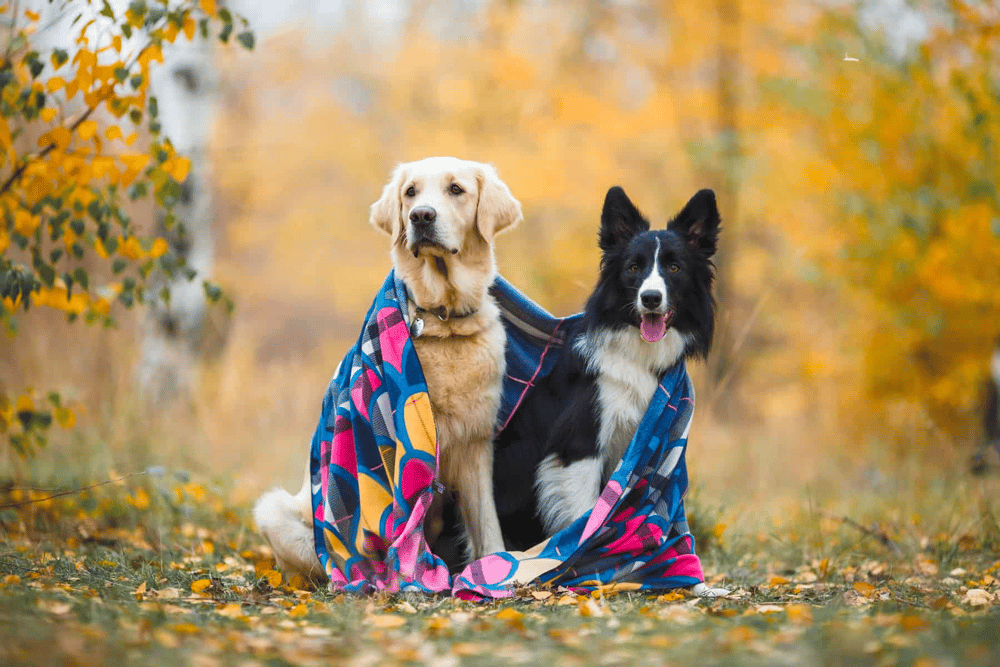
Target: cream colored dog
x=442, y=215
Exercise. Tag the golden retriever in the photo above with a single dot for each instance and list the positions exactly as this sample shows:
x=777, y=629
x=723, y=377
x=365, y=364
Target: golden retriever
x=442, y=215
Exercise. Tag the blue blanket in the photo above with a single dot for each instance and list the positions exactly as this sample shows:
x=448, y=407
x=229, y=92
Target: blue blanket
x=373, y=466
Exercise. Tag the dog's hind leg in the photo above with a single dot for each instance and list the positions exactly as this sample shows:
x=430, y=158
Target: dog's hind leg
x=285, y=521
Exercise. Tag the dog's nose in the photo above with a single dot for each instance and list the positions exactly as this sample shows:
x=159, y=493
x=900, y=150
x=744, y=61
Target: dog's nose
x=423, y=216
x=651, y=299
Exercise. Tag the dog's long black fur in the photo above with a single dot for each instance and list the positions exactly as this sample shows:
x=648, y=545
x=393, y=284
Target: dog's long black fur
x=560, y=414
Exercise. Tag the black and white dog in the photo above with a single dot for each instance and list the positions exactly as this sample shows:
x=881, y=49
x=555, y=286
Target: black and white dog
x=653, y=306
x=989, y=450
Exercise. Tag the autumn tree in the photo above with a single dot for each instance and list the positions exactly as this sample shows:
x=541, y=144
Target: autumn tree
x=80, y=139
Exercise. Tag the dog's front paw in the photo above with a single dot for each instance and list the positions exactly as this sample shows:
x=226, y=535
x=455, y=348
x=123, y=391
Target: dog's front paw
x=702, y=590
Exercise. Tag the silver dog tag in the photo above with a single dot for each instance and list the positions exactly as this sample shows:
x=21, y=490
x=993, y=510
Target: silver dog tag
x=417, y=327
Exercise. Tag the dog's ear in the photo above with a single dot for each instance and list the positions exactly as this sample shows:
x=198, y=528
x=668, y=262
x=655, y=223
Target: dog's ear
x=387, y=210
x=620, y=220
x=698, y=222
x=497, y=211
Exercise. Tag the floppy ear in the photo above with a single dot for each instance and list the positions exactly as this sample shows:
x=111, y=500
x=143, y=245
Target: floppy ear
x=497, y=211
x=620, y=220
x=698, y=222
x=387, y=210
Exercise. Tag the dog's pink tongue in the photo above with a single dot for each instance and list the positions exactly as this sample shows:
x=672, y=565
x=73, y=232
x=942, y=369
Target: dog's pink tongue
x=652, y=327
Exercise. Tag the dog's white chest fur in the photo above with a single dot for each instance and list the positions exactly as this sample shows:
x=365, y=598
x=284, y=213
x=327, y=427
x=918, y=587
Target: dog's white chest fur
x=628, y=371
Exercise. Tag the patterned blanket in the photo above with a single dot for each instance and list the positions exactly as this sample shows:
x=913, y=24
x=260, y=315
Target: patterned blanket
x=373, y=467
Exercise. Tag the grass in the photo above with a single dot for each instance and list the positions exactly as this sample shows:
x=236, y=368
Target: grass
x=163, y=569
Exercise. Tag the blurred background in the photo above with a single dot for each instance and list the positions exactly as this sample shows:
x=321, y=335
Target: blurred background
x=852, y=147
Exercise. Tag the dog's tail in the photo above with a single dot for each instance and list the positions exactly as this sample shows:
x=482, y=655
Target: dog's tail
x=285, y=521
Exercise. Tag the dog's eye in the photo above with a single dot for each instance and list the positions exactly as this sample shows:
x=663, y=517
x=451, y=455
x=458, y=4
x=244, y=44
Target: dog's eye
x=411, y=191
x=633, y=268
x=674, y=268
x=456, y=189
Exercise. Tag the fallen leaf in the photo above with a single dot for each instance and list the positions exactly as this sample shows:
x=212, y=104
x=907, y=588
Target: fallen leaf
x=800, y=614
x=386, y=621
x=200, y=585
x=864, y=588
x=233, y=610
x=977, y=597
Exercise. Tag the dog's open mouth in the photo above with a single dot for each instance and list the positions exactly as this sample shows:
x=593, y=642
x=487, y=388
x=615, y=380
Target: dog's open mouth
x=653, y=326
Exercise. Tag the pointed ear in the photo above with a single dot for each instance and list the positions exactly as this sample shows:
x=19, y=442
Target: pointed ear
x=497, y=211
x=620, y=220
x=698, y=222
x=387, y=210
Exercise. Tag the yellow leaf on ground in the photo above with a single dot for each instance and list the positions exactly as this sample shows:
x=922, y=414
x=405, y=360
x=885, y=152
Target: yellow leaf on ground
x=864, y=588
x=208, y=6
x=200, y=585
x=233, y=610
x=113, y=132
x=55, y=83
x=298, y=611
x=777, y=581
x=273, y=577
x=386, y=621
x=799, y=613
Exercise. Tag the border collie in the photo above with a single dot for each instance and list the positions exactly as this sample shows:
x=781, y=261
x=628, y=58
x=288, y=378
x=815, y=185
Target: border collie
x=653, y=306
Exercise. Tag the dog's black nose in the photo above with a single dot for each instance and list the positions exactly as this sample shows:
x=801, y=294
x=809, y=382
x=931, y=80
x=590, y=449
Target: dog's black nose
x=651, y=299
x=423, y=215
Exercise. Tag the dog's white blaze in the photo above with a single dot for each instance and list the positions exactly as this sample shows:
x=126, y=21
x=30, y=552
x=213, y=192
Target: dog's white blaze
x=653, y=283
x=628, y=371
x=565, y=493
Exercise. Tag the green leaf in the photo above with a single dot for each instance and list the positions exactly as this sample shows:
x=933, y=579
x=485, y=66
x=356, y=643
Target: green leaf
x=121, y=74
x=126, y=30
x=77, y=226
x=80, y=275
x=226, y=31
x=225, y=15
x=60, y=57
x=55, y=255
x=212, y=291
x=135, y=115
x=246, y=40
x=136, y=81
x=107, y=11
x=47, y=274
x=119, y=265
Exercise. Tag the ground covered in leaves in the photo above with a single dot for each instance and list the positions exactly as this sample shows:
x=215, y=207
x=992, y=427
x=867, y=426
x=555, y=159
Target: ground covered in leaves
x=160, y=569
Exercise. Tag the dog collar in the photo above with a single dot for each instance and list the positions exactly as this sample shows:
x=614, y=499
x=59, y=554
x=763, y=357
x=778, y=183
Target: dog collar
x=417, y=327
x=442, y=313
